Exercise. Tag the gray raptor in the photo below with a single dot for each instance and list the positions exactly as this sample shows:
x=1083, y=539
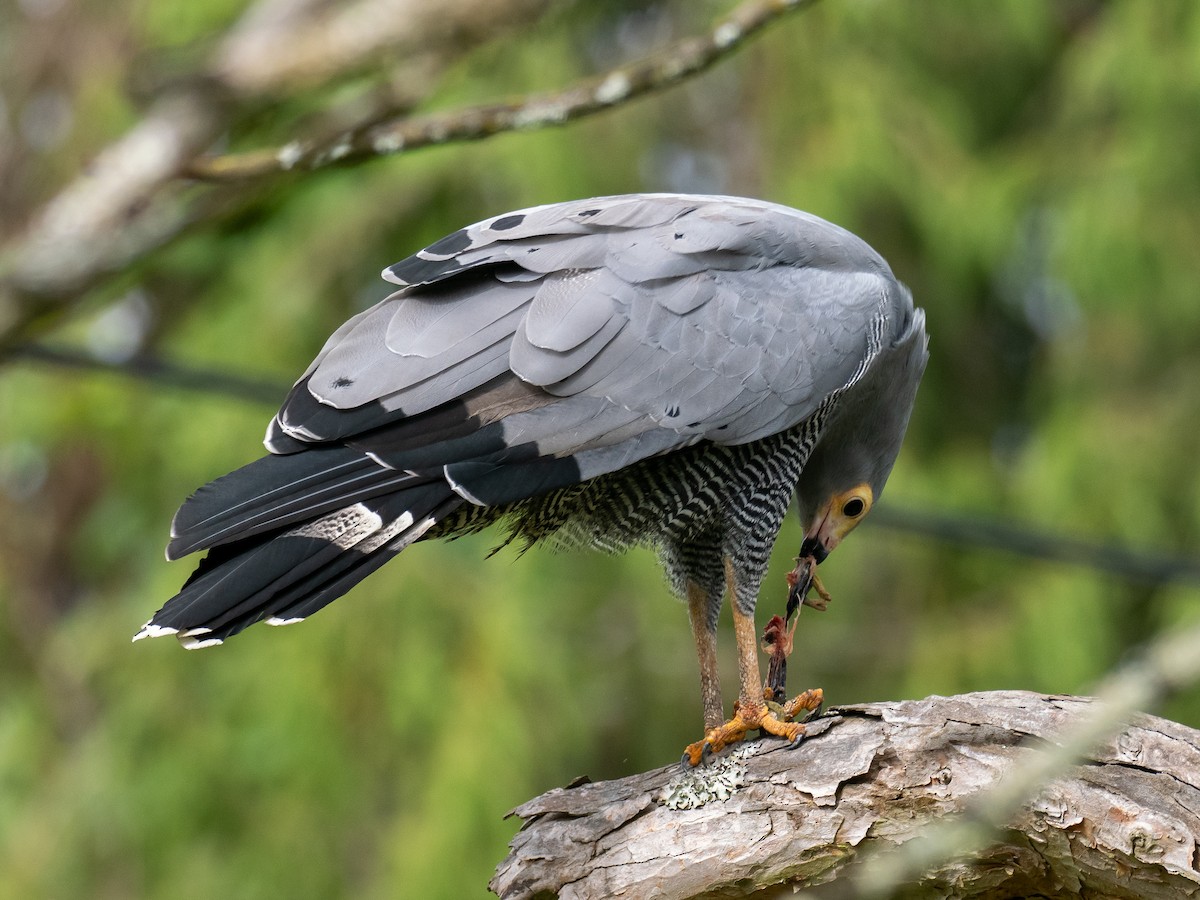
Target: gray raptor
x=656, y=369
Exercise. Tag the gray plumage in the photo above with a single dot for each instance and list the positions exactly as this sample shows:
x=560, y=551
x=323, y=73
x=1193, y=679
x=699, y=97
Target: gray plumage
x=654, y=369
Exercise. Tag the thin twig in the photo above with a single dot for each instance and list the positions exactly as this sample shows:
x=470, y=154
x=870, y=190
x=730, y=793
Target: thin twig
x=157, y=371
x=669, y=66
x=1135, y=566
x=1131, y=565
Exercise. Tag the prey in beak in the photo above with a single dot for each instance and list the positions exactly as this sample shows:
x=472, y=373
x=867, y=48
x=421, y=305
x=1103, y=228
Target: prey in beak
x=834, y=520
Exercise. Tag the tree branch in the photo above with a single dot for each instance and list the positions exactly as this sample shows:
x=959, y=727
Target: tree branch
x=669, y=66
x=281, y=46
x=868, y=779
x=136, y=196
x=1119, y=561
x=142, y=191
x=157, y=371
x=1168, y=665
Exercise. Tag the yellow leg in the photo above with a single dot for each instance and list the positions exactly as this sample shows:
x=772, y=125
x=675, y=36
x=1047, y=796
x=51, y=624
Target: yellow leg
x=746, y=637
x=750, y=712
x=706, y=653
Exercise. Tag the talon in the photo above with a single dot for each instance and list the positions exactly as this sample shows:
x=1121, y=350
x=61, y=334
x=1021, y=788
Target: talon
x=693, y=755
x=809, y=703
x=768, y=718
x=779, y=726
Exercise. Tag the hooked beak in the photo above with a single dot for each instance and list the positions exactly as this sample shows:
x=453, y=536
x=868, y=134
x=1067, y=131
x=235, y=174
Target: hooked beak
x=834, y=521
x=819, y=538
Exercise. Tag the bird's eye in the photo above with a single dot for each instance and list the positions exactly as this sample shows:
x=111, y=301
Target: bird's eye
x=854, y=508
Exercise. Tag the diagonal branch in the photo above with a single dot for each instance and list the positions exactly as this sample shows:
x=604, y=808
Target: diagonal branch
x=669, y=66
x=142, y=192
x=1168, y=665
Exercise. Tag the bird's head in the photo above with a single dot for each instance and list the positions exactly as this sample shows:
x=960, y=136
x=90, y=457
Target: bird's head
x=842, y=479
x=833, y=519
x=847, y=469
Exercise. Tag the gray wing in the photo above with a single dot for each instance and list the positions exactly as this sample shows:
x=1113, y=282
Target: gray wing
x=561, y=342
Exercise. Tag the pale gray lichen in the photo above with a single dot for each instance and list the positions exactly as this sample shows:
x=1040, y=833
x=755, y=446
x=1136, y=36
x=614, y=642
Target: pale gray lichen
x=726, y=34
x=341, y=149
x=718, y=779
x=290, y=154
x=537, y=113
x=614, y=88
x=388, y=142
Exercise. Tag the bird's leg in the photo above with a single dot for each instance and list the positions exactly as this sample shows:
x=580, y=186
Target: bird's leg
x=705, y=632
x=750, y=712
x=746, y=637
x=822, y=603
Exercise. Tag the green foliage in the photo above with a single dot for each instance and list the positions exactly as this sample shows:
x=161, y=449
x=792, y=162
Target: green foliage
x=1028, y=168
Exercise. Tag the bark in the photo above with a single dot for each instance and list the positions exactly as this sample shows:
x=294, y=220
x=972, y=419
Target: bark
x=1124, y=822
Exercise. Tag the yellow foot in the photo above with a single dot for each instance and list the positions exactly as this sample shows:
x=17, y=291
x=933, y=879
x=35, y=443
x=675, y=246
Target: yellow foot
x=771, y=718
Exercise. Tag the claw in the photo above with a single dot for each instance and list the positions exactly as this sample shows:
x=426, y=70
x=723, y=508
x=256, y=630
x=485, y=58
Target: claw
x=697, y=753
x=693, y=757
x=779, y=720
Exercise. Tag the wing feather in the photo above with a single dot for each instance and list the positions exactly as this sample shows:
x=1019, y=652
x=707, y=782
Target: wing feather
x=686, y=317
x=566, y=312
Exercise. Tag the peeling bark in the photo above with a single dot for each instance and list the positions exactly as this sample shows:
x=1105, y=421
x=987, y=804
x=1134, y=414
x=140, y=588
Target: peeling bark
x=1123, y=823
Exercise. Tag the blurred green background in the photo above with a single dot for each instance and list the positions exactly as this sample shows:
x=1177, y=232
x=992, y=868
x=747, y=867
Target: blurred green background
x=1031, y=170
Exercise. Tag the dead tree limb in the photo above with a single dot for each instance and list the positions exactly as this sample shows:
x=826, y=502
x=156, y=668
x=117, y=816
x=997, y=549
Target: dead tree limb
x=156, y=182
x=870, y=778
x=668, y=66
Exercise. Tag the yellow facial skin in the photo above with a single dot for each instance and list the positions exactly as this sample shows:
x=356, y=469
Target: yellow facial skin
x=838, y=518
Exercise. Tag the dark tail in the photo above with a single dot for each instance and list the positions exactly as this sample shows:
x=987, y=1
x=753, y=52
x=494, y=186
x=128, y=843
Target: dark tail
x=289, y=536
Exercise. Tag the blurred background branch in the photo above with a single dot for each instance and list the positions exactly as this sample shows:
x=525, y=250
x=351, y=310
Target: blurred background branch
x=1117, y=560
x=370, y=139
x=156, y=371
x=135, y=197
x=963, y=528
